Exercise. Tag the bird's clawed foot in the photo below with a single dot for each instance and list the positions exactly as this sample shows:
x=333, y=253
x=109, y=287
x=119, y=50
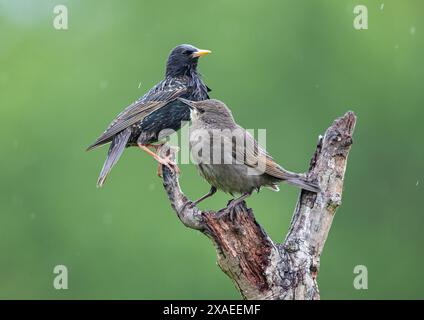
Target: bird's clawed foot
x=188, y=205
x=192, y=204
x=226, y=212
x=156, y=147
x=166, y=161
x=229, y=211
x=169, y=163
x=232, y=205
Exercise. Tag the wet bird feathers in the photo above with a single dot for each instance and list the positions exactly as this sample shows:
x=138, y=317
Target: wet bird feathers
x=158, y=97
x=247, y=158
x=244, y=167
x=157, y=112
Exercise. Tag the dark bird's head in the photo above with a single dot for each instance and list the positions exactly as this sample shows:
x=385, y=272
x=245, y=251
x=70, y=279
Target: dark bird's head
x=211, y=111
x=183, y=60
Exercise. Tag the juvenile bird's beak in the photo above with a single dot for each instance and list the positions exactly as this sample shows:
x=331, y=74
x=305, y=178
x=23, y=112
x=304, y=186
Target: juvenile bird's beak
x=189, y=103
x=200, y=53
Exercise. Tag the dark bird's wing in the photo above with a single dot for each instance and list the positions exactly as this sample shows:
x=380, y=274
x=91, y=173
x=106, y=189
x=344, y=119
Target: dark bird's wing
x=155, y=99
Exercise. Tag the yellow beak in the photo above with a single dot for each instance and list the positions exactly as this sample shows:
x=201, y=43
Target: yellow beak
x=200, y=53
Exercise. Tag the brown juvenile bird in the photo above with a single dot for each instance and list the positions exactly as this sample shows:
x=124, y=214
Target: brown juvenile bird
x=229, y=158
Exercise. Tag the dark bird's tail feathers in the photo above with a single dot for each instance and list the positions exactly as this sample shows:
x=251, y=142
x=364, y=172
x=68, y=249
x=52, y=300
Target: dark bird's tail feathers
x=116, y=148
x=301, y=181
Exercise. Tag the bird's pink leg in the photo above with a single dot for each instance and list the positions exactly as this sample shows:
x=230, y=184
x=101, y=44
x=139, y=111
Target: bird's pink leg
x=155, y=146
x=162, y=161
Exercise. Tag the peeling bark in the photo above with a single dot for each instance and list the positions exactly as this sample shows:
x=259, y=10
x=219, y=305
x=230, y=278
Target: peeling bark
x=260, y=268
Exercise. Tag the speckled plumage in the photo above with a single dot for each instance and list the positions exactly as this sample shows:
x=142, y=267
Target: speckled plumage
x=142, y=121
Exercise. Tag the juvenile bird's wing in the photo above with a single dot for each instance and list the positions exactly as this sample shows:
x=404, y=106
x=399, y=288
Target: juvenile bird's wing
x=155, y=99
x=247, y=151
x=257, y=158
x=254, y=155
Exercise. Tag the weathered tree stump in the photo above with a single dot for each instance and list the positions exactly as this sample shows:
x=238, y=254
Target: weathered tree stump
x=260, y=268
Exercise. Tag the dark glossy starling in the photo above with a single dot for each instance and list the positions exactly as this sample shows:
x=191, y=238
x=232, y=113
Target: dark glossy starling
x=231, y=160
x=141, y=122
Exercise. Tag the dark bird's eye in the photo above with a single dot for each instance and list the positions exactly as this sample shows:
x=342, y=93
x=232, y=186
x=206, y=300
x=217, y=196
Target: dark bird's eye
x=188, y=52
x=201, y=110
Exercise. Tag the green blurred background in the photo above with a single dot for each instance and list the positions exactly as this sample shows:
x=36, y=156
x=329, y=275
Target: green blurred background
x=291, y=67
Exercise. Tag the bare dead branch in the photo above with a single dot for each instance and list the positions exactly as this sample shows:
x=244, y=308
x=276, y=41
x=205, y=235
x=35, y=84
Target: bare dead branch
x=260, y=268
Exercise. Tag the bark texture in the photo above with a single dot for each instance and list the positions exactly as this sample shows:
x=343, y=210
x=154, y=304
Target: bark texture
x=259, y=267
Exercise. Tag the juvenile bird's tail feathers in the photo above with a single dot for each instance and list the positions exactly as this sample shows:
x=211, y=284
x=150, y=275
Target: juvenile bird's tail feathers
x=301, y=181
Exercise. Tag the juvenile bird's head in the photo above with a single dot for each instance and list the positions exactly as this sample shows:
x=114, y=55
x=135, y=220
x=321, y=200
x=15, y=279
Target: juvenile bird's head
x=183, y=60
x=211, y=112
